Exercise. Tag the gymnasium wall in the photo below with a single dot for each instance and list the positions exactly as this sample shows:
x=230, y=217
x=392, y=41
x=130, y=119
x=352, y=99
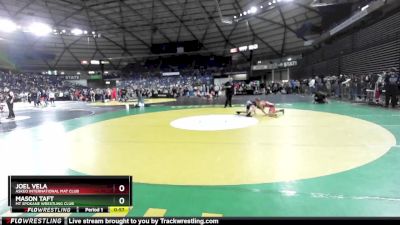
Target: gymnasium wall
x=79, y=82
x=5, y=62
x=368, y=50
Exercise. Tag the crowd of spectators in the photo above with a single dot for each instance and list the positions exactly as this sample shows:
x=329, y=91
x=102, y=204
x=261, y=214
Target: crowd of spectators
x=169, y=86
x=352, y=87
x=31, y=87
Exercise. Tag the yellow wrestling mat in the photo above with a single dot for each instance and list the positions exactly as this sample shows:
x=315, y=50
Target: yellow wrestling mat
x=146, y=101
x=301, y=144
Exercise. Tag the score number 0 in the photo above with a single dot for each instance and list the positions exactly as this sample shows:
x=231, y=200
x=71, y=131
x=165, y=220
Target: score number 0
x=121, y=200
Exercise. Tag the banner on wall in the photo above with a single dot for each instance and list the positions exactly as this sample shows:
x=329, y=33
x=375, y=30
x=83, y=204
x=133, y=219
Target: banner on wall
x=273, y=66
x=72, y=77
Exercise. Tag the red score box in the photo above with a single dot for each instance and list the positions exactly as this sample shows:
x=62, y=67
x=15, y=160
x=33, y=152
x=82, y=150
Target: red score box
x=83, y=189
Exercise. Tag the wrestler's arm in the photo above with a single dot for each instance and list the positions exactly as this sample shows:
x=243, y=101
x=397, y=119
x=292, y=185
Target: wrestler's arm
x=267, y=114
x=261, y=107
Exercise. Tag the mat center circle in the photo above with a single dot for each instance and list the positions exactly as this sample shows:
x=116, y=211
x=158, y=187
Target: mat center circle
x=213, y=122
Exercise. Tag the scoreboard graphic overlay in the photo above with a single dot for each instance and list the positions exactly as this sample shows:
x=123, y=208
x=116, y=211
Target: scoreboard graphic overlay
x=69, y=194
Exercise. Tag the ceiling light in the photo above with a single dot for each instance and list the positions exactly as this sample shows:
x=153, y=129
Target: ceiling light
x=95, y=62
x=253, y=10
x=77, y=32
x=39, y=29
x=7, y=26
x=365, y=7
x=244, y=13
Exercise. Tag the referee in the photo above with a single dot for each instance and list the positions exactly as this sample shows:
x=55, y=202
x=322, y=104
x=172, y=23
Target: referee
x=229, y=90
x=10, y=105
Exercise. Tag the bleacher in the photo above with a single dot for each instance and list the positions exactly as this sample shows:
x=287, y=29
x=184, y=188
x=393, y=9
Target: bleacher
x=370, y=49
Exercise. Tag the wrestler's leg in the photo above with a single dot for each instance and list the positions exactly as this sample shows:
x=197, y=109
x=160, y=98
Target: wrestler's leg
x=271, y=107
x=245, y=112
x=272, y=110
x=251, y=111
